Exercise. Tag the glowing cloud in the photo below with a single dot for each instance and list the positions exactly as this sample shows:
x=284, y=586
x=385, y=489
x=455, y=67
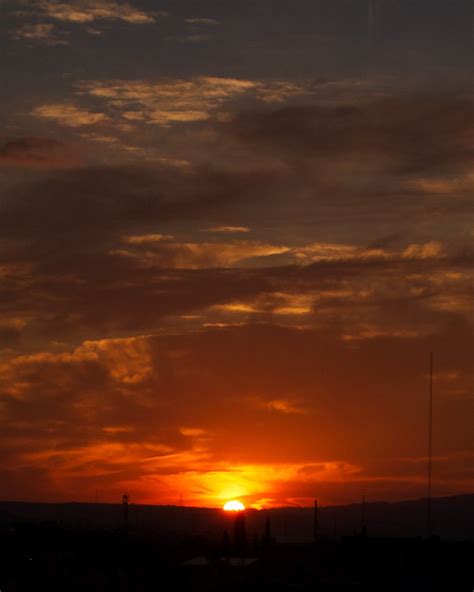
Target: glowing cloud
x=198, y=255
x=87, y=11
x=69, y=115
x=228, y=229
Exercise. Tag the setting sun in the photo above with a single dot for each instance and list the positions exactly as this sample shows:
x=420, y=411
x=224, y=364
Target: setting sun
x=234, y=506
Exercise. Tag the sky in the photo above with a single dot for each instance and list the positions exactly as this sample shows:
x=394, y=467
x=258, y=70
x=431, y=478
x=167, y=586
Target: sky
x=231, y=233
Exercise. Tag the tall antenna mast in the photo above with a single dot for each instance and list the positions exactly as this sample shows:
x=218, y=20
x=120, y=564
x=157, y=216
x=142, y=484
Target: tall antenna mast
x=430, y=440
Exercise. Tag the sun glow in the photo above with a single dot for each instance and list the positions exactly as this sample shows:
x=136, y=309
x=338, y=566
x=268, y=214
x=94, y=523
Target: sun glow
x=234, y=506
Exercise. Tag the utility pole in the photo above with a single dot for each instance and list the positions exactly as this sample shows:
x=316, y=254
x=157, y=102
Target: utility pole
x=430, y=444
x=364, y=525
x=315, y=521
x=125, y=503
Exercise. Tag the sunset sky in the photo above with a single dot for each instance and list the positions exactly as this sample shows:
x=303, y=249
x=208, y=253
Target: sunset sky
x=231, y=233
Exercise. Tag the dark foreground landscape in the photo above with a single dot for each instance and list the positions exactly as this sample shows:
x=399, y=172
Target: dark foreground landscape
x=76, y=547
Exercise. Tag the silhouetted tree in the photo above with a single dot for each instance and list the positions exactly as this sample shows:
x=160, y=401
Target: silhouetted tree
x=240, y=533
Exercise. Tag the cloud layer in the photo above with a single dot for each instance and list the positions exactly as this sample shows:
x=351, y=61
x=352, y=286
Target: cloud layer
x=87, y=11
x=222, y=271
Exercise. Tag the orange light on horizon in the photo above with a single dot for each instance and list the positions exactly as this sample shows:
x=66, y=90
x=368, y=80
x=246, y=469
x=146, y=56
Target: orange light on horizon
x=234, y=506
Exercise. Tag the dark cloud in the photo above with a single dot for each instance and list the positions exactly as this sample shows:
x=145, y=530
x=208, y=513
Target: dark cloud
x=9, y=336
x=77, y=238
x=408, y=134
x=35, y=152
x=105, y=201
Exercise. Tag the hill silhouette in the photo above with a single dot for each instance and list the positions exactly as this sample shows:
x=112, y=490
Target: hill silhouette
x=453, y=518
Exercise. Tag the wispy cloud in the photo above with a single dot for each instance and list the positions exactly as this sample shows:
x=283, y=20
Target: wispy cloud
x=343, y=252
x=430, y=250
x=198, y=255
x=282, y=406
x=228, y=229
x=143, y=239
x=201, y=21
x=275, y=303
x=168, y=101
x=69, y=115
x=193, y=432
x=186, y=100
x=45, y=33
x=87, y=11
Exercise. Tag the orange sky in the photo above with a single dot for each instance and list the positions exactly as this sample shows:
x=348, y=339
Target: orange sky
x=265, y=414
